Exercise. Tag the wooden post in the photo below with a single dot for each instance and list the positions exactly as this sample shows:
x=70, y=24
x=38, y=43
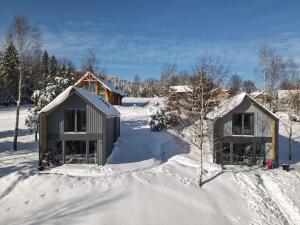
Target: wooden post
x=64, y=151
x=273, y=140
x=231, y=152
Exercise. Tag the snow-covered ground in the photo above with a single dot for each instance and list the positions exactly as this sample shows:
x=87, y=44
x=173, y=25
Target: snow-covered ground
x=151, y=178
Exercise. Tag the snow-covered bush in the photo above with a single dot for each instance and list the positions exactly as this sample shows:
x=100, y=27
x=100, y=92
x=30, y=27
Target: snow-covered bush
x=41, y=98
x=158, y=121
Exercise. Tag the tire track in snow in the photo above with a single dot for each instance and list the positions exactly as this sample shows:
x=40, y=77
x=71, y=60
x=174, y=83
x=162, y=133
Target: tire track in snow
x=286, y=205
x=267, y=211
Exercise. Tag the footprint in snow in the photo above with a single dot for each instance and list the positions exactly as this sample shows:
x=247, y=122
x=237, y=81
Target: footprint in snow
x=43, y=195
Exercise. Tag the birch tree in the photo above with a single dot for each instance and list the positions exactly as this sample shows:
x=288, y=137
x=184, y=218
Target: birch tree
x=272, y=70
x=26, y=39
x=196, y=104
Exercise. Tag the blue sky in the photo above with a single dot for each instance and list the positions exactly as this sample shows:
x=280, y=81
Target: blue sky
x=138, y=37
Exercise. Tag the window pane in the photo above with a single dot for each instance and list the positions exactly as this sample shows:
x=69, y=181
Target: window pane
x=249, y=124
x=81, y=121
x=92, y=88
x=102, y=90
x=93, y=152
x=58, y=153
x=243, y=154
x=69, y=120
x=75, y=152
x=226, y=153
x=237, y=123
x=259, y=156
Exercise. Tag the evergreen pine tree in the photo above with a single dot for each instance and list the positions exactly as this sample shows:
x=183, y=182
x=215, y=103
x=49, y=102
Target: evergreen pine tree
x=44, y=69
x=9, y=75
x=53, y=67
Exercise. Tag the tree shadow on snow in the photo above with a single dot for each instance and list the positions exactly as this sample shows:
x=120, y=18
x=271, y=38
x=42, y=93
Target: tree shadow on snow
x=284, y=150
x=74, y=210
x=10, y=133
x=137, y=143
x=8, y=145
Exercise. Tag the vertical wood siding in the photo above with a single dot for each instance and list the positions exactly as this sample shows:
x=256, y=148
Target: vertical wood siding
x=262, y=122
x=105, y=130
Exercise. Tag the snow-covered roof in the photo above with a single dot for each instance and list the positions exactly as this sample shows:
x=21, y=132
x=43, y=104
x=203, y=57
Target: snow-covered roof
x=106, y=83
x=111, y=87
x=258, y=93
x=220, y=90
x=96, y=101
x=228, y=105
x=285, y=94
x=180, y=88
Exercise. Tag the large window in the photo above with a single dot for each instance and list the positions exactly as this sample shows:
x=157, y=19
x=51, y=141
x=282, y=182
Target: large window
x=75, y=120
x=243, y=124
x=69, y=120
x=75, y=152
x=102, y=92
x=58, y=153
x=81, y=120
x=92, y=88
x=243, y=153
x=92, y=152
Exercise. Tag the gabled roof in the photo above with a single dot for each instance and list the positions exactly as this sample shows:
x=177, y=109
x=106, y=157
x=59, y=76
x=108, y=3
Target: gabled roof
x=218, y=89
x=258, y=93
x=106, y=108
x=228, y=105
x=106, y=83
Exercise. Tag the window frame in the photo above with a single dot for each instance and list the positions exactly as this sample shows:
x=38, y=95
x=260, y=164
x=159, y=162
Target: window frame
x=243, y=124
x=64, y=113
x=75, y=122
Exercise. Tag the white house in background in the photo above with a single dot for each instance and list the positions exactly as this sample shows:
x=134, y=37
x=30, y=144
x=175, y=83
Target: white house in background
x=284, y=95
x=180, y=89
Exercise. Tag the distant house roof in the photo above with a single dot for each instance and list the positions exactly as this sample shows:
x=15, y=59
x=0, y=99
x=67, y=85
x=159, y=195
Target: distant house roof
x=94, y=100
x=218, y=89
x=180, y=89
x=106, y=83
x=256, y=94
x=285, y=94
x=228, y=105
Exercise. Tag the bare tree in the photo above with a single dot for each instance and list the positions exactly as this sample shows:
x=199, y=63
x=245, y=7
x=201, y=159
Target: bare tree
x=166, y=73
x=234, y=84
x=249, y=86
x=90, y=62
x=136, y=85
x=207, y=75
x=273, y=68
x=27, y=39
x=293, y=109
x=290, y=80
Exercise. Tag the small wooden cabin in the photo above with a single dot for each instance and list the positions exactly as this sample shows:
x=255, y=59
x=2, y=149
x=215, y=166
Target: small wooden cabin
x=243, y=132
x=100, y=87
x=77, y=127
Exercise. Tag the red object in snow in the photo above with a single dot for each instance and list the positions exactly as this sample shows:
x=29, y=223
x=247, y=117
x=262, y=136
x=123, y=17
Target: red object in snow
x=270, y=164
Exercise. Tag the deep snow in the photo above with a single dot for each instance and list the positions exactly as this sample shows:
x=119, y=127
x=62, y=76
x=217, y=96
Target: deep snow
x=151, y=178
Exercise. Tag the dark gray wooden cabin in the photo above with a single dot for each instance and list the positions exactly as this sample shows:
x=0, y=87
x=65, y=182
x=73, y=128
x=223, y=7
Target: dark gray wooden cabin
x=243, y=132
x=78, y=127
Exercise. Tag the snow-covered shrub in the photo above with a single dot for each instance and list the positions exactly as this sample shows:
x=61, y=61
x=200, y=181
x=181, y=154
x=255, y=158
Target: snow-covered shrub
x=158, y=121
